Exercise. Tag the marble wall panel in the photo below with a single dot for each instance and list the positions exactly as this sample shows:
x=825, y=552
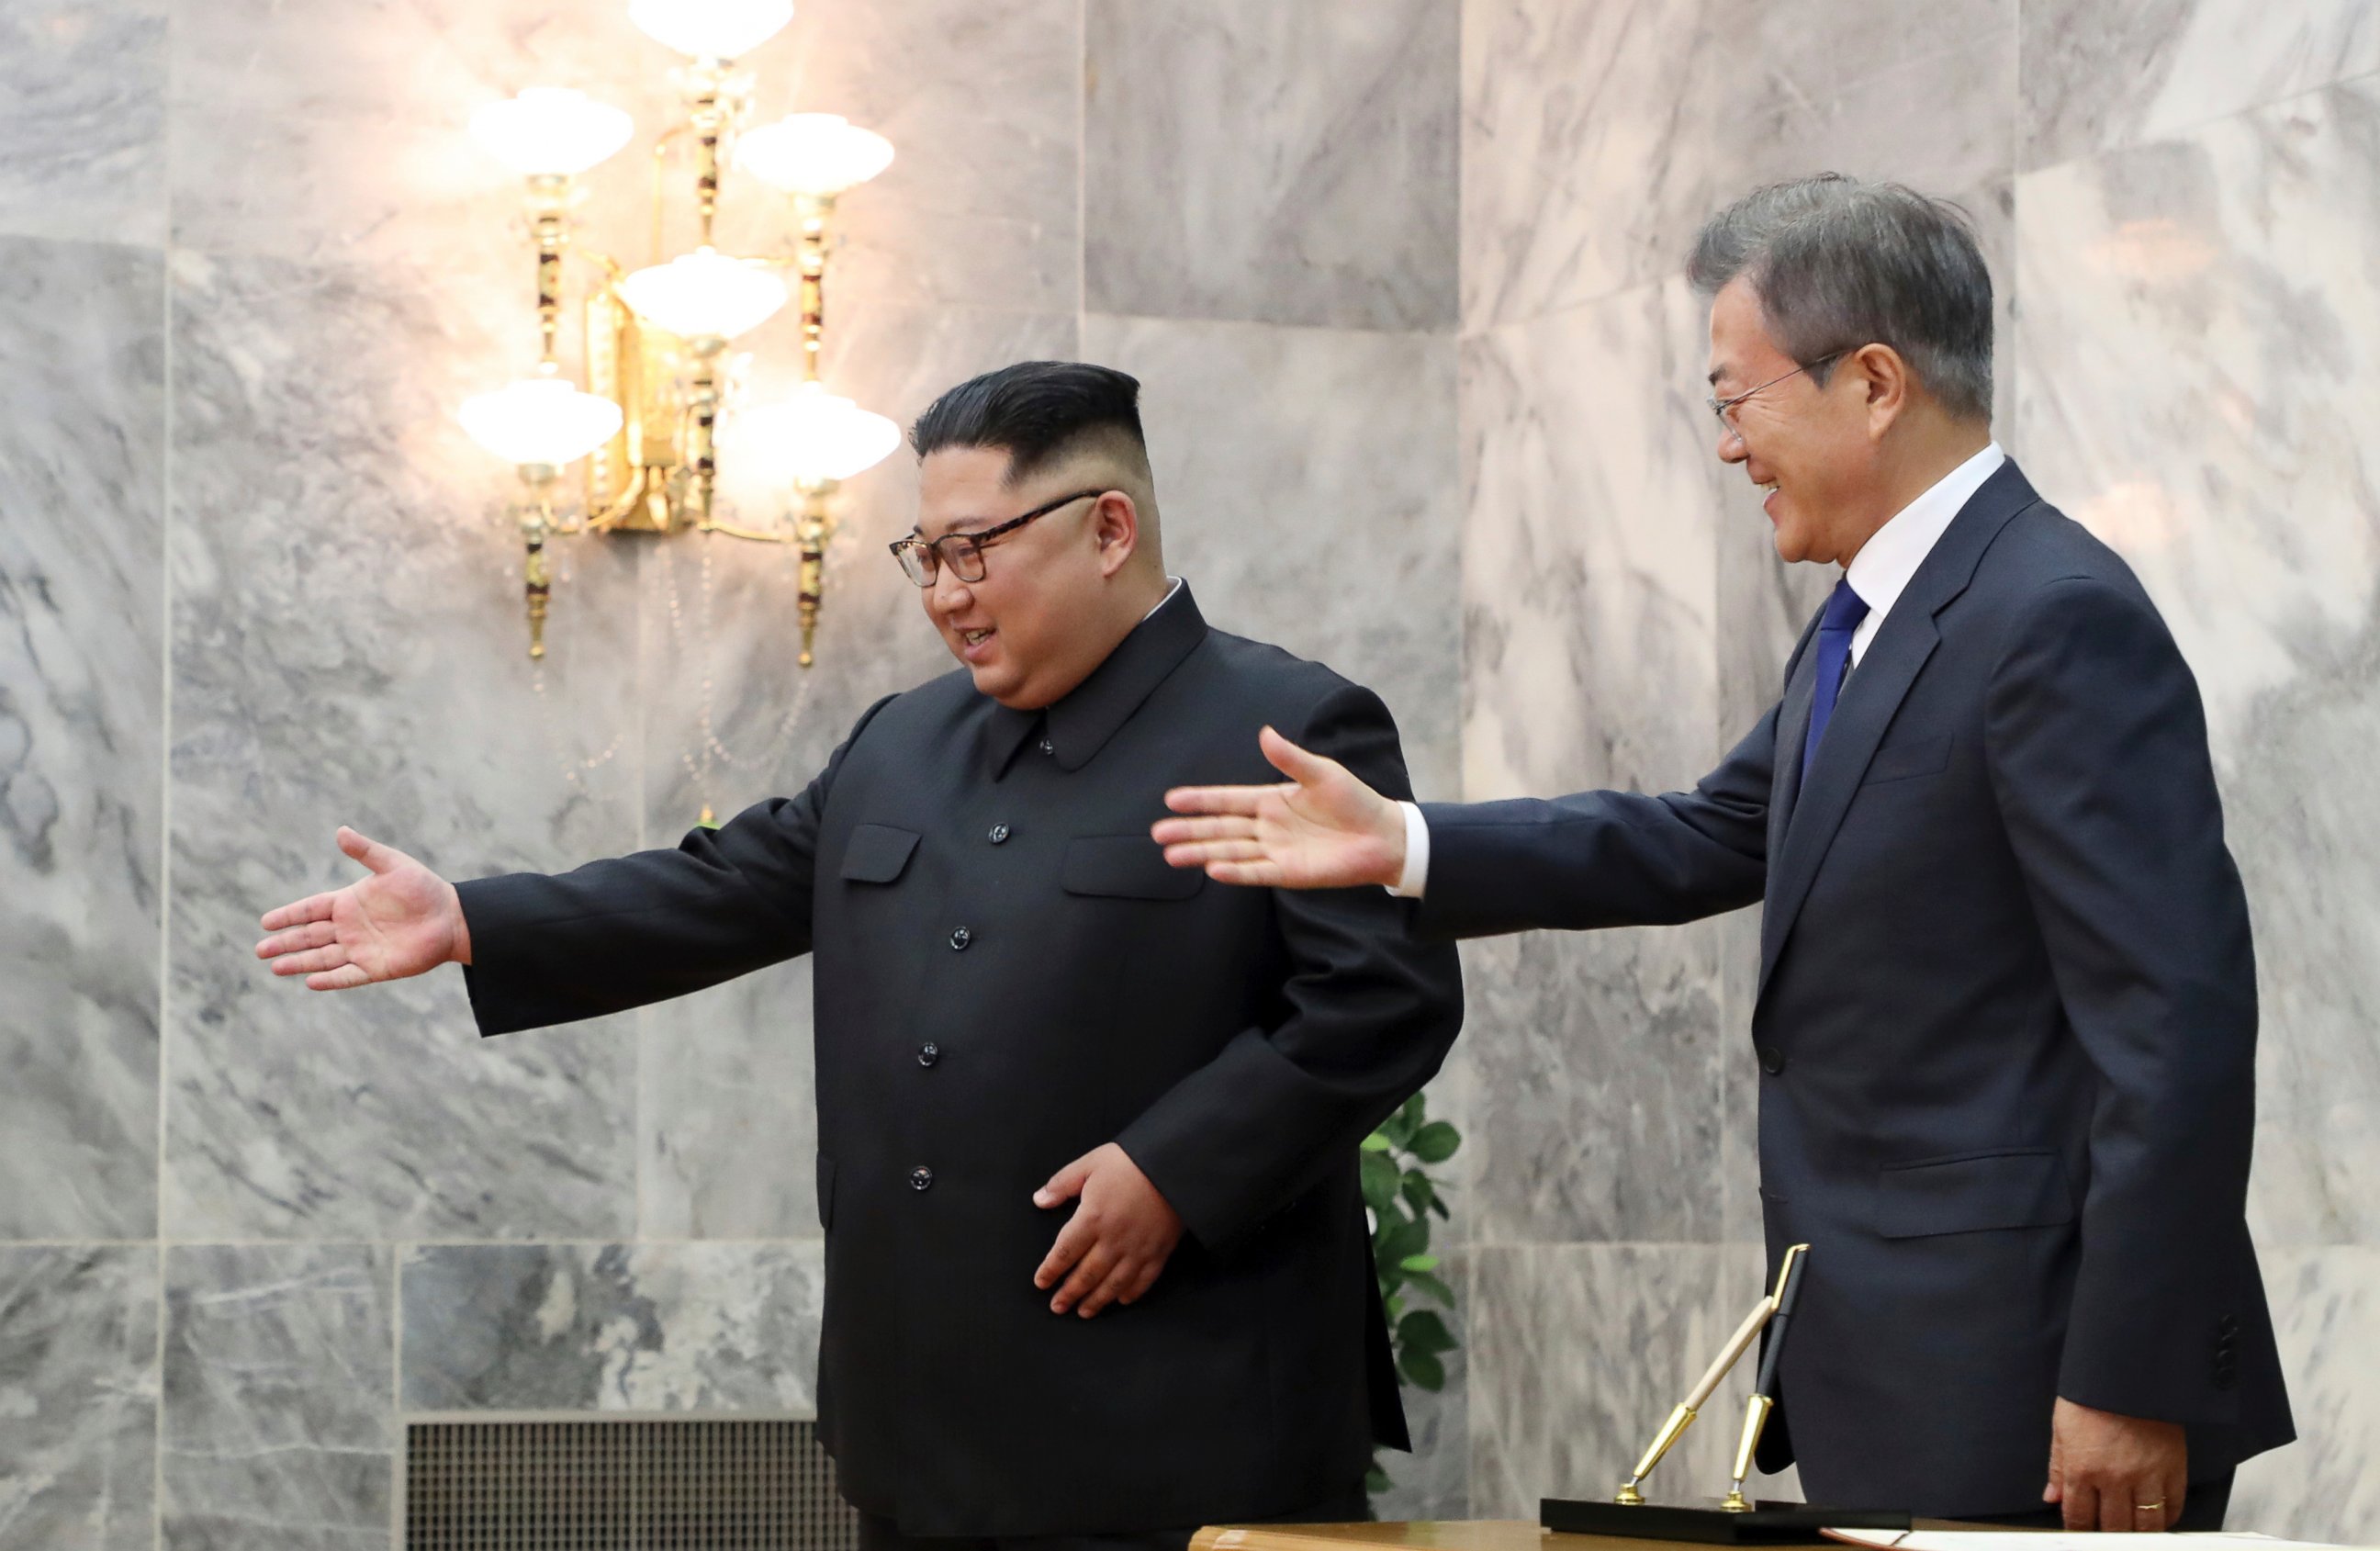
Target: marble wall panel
x=1434, y=1480
x=728, y=1118
x=278, y=1432
x=2326, y=1314
x=2096, y=76
x=1579, y=1350
x=643, y=1328
x=1308, y=487
x=2196, y=354
x=349, y=647
x=79, y=1396
x=81, y=737
x=1278, y=164
x=1597, y=137
x=82, y=120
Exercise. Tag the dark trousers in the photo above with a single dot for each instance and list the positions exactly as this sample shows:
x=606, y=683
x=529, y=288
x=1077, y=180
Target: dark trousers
x=879, y=1534
x=2202, y=1508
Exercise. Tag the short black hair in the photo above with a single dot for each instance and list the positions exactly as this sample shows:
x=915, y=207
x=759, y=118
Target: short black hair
x=1034, y=410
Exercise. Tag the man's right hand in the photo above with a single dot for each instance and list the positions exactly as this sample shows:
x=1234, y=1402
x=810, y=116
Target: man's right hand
x=1322, y=829
x=402, y=920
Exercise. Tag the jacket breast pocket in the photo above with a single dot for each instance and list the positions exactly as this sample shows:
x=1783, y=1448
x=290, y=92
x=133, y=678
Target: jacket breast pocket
x=877, y=854
x=1918, y=757
x=1970, y=1193
x=1125, y=867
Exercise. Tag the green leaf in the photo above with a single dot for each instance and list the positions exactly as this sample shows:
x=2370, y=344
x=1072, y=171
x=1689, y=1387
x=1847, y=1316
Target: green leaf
x=1399, y=1128
x=1374, y=1143
x=1438, y=1204
x=1436, y=1142
x=1405, y=1239
x=1423, y=1331
x=1418, y=1192
x=1431, y=1285
x=1376, y=1480
x=1423, y=1369
x=1418, y=1262
x=1381, y=1182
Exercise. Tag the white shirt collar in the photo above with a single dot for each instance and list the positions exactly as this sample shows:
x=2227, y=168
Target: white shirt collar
x=1164, y=600
x=1882, y=569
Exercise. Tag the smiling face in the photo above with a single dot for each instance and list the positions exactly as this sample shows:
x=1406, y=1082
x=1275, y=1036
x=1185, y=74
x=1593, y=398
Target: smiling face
x=1058, y=594
x=1812, y=448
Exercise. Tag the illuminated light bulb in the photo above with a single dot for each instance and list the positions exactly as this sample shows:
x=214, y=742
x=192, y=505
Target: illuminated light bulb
x=811, y=438
x=704, y=294
x=550, y=131
x=721, y=30
x=540, y=421
x=817, y=153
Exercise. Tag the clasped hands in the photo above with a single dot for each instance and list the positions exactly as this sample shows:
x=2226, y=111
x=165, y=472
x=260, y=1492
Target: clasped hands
x=403, y=919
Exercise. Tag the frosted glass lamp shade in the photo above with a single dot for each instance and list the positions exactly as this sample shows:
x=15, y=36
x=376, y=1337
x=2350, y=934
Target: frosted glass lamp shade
x=712, y=28
x=550, y=131
x=816, y=153
x=704, y=294
x=540, y=421
x=813, y=436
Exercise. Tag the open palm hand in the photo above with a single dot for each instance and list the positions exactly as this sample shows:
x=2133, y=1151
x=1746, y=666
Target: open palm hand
x=402, y=920
x=1321, y=829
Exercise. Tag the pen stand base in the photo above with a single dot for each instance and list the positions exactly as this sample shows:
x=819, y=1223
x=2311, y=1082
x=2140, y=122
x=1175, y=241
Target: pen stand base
x=1764, y=1524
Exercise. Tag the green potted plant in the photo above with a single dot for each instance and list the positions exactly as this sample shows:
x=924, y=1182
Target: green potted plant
x=1403, y=1196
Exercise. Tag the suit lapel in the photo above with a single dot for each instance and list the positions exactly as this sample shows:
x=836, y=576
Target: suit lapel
x=1870, y=697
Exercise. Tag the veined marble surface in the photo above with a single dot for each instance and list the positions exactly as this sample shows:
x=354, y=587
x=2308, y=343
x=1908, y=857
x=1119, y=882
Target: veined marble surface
x=79, y=1396
x=349, y=647
x=1597, y=137
x=81, y=737
x=643, y=1327
x=1306, y=485
x=2197, y=360
x=82, y=120
x=2100, y=74
x=2326, y=1315
x=1267, y=163
x=278, y=1433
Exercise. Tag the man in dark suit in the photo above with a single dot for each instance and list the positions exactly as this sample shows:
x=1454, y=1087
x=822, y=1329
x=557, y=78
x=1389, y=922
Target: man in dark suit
x=2006, y=1017
x=1020, y=1007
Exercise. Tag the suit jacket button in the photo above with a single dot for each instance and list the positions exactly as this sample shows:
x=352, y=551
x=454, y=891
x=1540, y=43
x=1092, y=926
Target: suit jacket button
x=2228, y=1325
x=1049, y=747
x=921, y=1178
x=960, y=939
x=1000, y=835
x=1772, y=1060
x=928, y=1053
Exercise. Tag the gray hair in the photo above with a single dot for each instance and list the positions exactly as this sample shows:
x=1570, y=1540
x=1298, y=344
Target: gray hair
x=1837, y=263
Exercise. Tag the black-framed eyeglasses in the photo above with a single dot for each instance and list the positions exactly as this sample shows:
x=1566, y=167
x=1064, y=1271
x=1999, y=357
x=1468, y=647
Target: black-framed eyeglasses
x=1725, y=407
x=922, y=560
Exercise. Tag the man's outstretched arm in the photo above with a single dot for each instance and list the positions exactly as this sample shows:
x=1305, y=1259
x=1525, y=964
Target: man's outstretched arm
x=399, y=919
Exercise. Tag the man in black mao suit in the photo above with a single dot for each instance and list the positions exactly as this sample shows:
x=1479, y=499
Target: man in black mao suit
x=2007, y=1021
x=1020, y=1009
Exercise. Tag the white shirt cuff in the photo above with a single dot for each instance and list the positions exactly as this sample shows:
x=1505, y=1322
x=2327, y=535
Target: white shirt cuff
x=1415, y=878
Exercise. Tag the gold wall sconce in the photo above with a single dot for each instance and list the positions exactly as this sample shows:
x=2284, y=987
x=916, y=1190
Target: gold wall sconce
x=648, y=417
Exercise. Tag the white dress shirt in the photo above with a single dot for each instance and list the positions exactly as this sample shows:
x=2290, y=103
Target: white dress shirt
x=1880, y=573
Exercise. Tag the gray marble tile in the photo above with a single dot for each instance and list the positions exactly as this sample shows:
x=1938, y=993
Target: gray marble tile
x=2326, y=1315
x=728, y=1120
x=82, y=743
x=278, y=1431
x=982, y=101
x=349, y=647
x=2196, y=350
x=1597, y=137
x=1578, y=1353
x=2100, y=74
x=1308, y=490
x=82, y=120
x=79, y=1396
x=643, y=1328
x=1278, y=164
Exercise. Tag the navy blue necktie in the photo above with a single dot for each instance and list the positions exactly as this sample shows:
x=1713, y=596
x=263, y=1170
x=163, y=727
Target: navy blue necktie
x=1845, y=609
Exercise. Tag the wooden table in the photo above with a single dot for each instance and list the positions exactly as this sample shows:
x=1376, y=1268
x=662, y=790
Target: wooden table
x=1477, y=1534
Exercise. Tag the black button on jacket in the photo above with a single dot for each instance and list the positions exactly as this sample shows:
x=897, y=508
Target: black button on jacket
x=1237, y=1042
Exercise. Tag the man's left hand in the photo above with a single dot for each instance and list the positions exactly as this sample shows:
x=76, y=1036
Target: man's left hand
x=1118, y=1239
x=2115, y=1472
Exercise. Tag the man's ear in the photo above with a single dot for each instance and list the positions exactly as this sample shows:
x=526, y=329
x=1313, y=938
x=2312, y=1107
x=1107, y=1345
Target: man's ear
x=1115, y=525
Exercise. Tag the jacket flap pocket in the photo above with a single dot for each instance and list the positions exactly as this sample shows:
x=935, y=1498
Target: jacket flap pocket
x=1916, y=758
x=1125, y=867
x=2024, y=1189
x=877, y=852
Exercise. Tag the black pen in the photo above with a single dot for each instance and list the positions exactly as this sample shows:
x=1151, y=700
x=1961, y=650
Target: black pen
x=1763, y=1388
